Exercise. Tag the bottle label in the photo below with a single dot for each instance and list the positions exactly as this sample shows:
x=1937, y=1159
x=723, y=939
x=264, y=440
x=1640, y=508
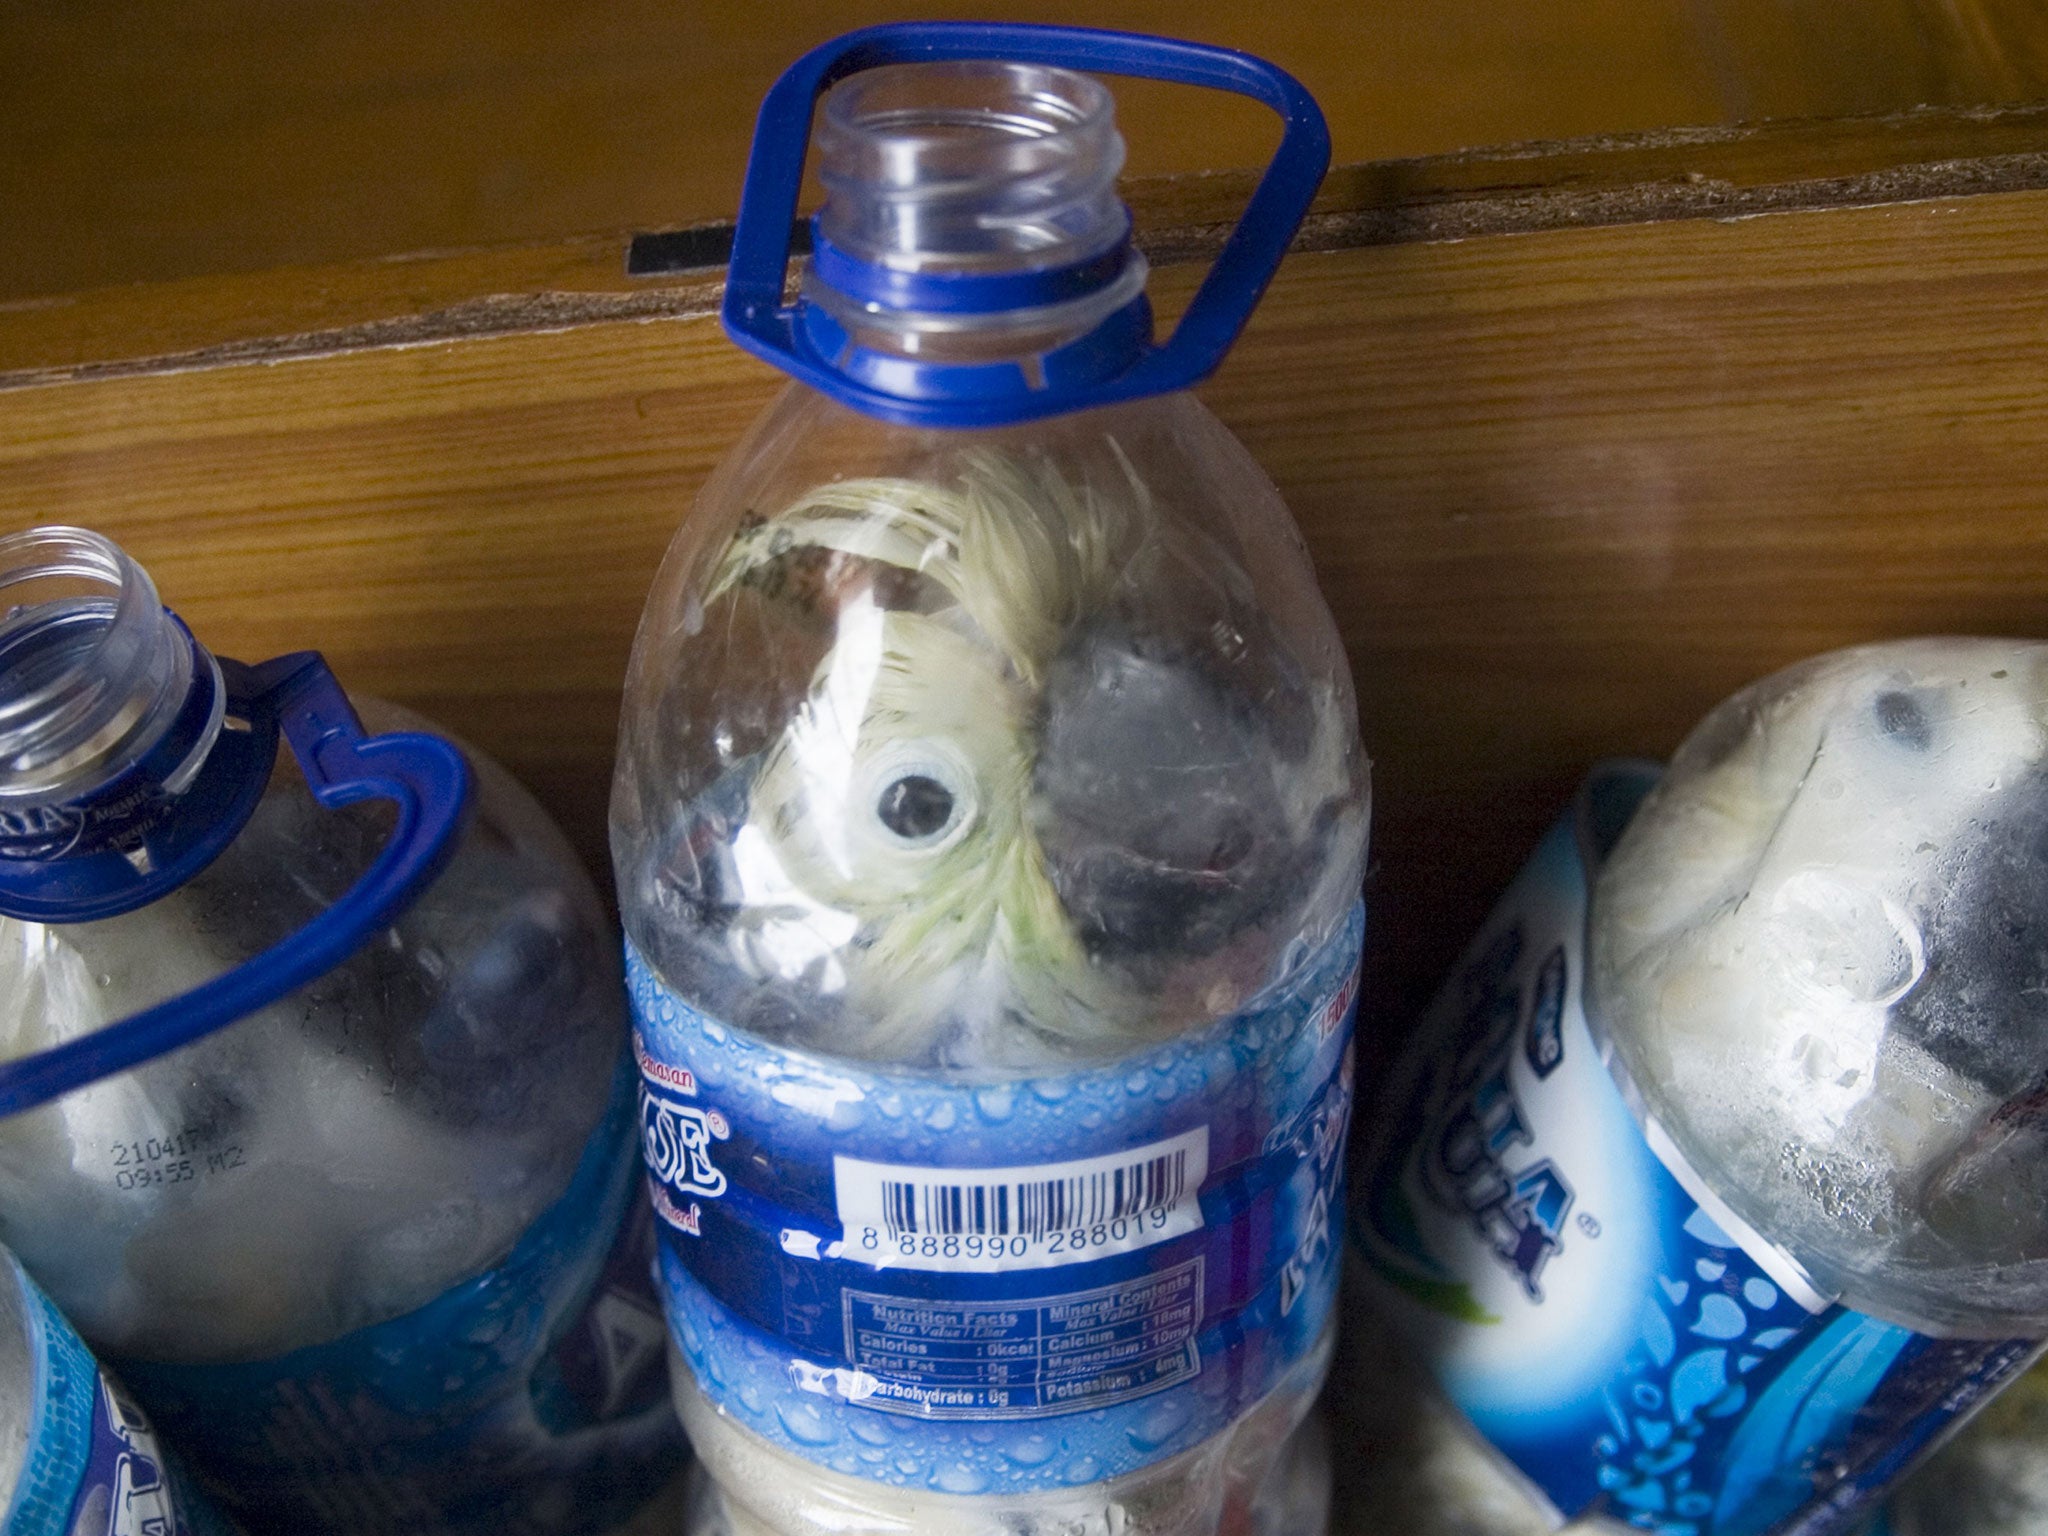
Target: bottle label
x=530, y=1398
x=91, y=1464
x=1631, y=1352
x=1000, y=1287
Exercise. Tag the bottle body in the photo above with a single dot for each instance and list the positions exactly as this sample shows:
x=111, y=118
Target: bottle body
x=1833, y=901
x=1613, y=1204
x=352, y=1250
x=989, y=826
x=1267, y=1476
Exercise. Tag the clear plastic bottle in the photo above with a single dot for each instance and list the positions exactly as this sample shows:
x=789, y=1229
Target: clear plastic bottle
x=989, y=827
x=76, y=1453
x=1821, y=954
x=1746, y=1162
x=359, y=1252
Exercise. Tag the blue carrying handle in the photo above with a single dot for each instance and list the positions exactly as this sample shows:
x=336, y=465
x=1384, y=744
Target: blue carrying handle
x=425, y=777
x=757, y=319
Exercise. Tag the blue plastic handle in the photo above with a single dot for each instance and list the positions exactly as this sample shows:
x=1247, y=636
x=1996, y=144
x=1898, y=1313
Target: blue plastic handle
x=758, y=320
x=429, y=781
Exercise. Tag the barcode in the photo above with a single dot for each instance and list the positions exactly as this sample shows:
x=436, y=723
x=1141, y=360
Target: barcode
x=1020, y=1218
x=1035, y=1208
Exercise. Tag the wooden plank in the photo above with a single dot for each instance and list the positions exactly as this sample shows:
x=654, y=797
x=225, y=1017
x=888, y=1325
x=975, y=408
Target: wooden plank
x=1564, y=488
x=147, y=143
x=438, y=296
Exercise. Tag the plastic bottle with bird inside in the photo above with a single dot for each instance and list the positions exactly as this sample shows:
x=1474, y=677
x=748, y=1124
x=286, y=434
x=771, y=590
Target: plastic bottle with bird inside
x=989, y=825
x=1711, y=1186
x=316, y=1117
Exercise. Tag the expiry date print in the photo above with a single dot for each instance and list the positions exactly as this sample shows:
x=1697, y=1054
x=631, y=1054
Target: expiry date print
x=175, y=1157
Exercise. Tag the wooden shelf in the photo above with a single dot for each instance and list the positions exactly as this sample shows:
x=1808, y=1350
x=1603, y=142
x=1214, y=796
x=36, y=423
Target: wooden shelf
x=147, y=143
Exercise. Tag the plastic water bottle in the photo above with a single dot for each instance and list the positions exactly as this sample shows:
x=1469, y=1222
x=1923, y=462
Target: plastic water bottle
x=1721, y=1236
x=989, y=824
x=320, y=1122
x=76, y=1453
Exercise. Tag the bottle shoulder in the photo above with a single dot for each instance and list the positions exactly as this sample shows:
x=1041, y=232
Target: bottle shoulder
x=346, y=1154
x=986, y=748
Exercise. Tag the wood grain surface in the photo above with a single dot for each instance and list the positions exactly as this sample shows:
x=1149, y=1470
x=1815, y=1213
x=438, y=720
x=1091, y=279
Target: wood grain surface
x=1612, y=179
x=145, y=141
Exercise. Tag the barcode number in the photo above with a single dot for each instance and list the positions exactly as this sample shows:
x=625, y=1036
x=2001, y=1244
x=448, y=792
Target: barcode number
x=1001, y=1218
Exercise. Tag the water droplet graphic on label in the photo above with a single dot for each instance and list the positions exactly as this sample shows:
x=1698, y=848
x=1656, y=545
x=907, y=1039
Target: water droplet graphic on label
x=1699, y=1379
x=959, y=1477
x=1031, y=1451
x=996, y=1104
x=805, y=1424
x=1721, y=1317
x=1160, y=1425
x=1084, y=1469
x=870, y=1427
x=942, y=1115
x=1659, y=1338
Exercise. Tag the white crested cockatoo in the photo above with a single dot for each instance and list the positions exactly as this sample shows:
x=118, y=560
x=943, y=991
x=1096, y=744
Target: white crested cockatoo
x=1016, y=815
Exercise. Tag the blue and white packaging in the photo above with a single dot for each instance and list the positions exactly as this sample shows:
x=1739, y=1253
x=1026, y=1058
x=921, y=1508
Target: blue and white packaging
x=1602, y=1318
x=528, y=1398
x=989, y=822
x=1007, y=1287
x=90, y=1463
x=317, y=1117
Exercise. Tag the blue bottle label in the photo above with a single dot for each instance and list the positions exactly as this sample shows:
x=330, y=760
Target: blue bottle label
x=91, y=1464
x=1000, y=1287
x=531, y=1398
x=1634, y=1352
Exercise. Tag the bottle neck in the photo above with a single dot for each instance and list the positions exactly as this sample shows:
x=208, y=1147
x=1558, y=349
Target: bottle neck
x=99, y=684
x=971, y=218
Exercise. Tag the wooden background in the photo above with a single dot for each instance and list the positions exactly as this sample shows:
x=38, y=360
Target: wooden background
x=141, y=140
x=322, y=310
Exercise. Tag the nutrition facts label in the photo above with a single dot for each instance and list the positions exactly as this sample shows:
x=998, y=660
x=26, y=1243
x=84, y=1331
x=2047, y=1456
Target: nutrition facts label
x=1014, y=1359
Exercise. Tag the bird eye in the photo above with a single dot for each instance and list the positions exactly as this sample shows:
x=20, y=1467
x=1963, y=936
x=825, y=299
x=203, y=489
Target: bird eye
x=915, y=807
x=920, y=794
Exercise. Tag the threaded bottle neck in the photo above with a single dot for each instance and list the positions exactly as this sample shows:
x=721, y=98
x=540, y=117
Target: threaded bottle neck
x=93, y=670
x=971, y=210
x=973, y=166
